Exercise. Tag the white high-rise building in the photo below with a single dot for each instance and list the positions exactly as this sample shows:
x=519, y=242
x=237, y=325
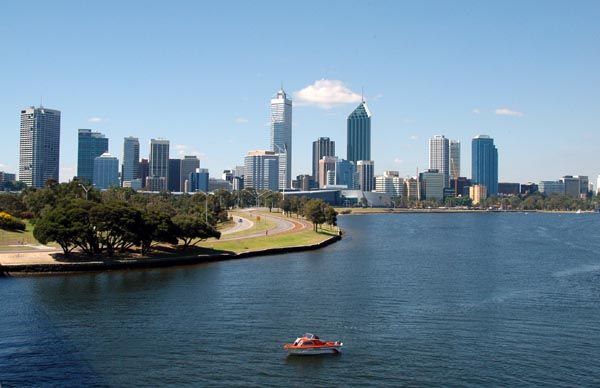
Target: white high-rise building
x=39, y=146
x=439, y=156
x=281, y=136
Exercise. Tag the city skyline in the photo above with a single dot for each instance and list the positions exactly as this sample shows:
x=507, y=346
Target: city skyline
x=522, y=73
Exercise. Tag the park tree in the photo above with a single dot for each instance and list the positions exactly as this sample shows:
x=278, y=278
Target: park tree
x=330, y=216
x=59, y=225
x=157, y=226
x=314, y=211
x=117, y=226
x=191, y=229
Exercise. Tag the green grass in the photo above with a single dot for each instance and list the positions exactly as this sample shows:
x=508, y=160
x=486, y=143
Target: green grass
x=10, y=240
x=303, y=237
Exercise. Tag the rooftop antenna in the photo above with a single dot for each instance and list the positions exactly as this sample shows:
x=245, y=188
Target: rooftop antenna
x=362, y=93
x=41, y=106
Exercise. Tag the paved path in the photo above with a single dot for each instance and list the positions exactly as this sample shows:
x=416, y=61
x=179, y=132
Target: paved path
x=40, y=254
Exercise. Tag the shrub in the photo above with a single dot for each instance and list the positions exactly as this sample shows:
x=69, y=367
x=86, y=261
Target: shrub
x=9, y=222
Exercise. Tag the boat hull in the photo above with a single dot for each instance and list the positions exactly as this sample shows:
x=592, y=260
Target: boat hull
x=312, y=351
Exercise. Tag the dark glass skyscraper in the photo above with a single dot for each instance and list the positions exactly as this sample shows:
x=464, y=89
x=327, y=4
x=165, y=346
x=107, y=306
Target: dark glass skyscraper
x=321, y=147
x=484, y=163
x=90, y=146
x=359, y=134
x=130, y=169
x=39, y=146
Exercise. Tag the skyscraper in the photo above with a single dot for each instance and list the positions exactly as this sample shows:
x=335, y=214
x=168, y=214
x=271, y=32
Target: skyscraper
x=189, y=164
x=454, y=159
x=106, y=171
x=359, y=134
x=439, y=157
x=321, y=147
x=90, y=146
x=158, y=173
x=281, y=136
x=174, y=182
x=484, y=163
x=366, y=175
x=130, y=169
x=39, y=146
x=261, y=170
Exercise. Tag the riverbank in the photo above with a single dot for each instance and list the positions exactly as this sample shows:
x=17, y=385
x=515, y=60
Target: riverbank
x=46, y=263
x=371, y=210
x=269, y=234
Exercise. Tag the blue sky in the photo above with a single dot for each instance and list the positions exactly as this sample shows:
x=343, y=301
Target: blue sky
x=202, y=74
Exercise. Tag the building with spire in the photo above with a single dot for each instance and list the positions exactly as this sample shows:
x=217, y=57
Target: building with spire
x=39, y=150
x=359, y=134
x=281, y=136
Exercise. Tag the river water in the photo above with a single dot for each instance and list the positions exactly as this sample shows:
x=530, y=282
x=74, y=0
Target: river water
x=419, y=300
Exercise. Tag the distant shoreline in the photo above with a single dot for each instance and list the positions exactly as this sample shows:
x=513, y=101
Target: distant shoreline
x=365, y=211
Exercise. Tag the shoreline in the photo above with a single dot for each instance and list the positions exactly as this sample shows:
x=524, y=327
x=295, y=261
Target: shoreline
x=57, y=268
x=366, y=211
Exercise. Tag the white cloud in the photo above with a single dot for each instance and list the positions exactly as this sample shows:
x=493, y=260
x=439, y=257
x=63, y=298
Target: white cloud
x=476, y=111
x=508, y=112
x=398, y=161
x=96, y=119
x=326, y=94
x=182, y=150
x=241, y=120
x=414, y=137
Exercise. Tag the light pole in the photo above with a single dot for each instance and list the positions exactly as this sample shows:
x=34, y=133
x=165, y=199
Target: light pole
x=205, y=205
x=84, y=189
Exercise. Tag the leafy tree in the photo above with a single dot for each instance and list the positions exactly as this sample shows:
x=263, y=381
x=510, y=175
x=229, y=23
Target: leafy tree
x=12, y=203
x=156, y=226
x=314, y=211
x=330, y=216
x=8, y=222
x=191, y=229
x=58, y=226
x=117, y=226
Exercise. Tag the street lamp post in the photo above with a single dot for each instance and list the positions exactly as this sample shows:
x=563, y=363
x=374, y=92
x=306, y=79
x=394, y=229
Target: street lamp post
x=84, y=189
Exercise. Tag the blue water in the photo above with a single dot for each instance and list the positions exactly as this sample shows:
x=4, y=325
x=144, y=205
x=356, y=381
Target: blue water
x=419, y=300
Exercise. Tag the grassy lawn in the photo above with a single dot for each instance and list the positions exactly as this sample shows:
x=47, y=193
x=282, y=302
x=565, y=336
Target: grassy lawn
x=304, y=237
x=11, y=240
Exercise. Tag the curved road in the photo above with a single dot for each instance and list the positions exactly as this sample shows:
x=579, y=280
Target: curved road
x=282, y=224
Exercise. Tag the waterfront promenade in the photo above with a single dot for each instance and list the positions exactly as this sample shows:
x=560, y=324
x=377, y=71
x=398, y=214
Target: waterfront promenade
x=256, y=225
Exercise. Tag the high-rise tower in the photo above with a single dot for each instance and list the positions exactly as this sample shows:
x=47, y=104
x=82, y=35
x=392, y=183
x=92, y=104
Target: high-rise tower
x=359, y=134
x=130, y=170
x=454, y=159
x=484, y=163
x=321, y=147
x=439, y=157
x=281, y=136
x=39, y=146
x=90, y=145
x=158, y=173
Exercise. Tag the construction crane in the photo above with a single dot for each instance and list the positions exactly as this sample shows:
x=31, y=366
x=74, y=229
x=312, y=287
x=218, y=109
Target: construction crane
x=455, y=173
